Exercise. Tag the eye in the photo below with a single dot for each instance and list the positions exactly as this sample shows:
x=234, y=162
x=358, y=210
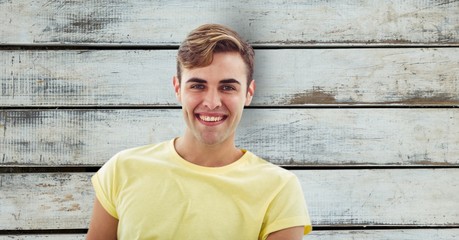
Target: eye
x=228, y=88
x=197, y=86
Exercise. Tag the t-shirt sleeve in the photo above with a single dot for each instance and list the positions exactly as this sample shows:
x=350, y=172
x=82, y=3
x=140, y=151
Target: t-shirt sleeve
x=105, y=186
x=288, y=209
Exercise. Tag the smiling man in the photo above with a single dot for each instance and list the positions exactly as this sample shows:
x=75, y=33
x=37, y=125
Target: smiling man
x=200, y=185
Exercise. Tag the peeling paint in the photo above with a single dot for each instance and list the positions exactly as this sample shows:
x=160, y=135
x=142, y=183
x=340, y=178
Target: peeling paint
x=314, y=96
x=430, y=163
x=86, y=19
x=440, y=100
x=46, y=185
x=43, y=207
x=17, y=217
x=72, y=208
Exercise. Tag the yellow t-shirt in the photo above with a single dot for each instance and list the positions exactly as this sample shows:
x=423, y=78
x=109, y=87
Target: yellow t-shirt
x=156, y=194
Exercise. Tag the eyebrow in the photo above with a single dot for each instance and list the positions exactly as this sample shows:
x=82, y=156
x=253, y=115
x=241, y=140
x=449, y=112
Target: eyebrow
x=196, y=80
x=224, y=81
x=231, y=80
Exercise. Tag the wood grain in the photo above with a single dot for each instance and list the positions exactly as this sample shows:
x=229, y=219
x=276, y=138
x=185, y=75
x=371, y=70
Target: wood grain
x=288, y=77
x=289, y=137
x=141, y=22
x=114, y=60
x=44, y=236
x=382, y=197
x=45, y=201
x=335, y=197
x=405, y=234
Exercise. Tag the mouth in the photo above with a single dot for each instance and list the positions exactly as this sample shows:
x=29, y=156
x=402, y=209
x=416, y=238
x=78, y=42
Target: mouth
x=211, y=119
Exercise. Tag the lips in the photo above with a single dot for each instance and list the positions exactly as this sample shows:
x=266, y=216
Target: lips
x=211, y=119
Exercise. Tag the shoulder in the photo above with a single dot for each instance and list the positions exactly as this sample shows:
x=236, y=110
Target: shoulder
x=270, y=170
x=149, y=150
x=145, y=149
x=138, y=156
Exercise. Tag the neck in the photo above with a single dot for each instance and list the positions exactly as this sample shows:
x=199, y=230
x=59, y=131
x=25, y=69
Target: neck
x=198, y=153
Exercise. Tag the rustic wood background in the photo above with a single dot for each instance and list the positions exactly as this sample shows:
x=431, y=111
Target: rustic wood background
x=358, y=98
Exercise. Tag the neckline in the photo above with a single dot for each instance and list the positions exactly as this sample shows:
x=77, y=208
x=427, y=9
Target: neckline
x=176, y=157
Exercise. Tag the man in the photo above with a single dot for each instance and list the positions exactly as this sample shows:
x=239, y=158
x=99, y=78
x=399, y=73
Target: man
x=200, y=185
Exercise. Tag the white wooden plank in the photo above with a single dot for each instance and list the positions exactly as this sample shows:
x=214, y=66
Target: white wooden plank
x=405, y=234
x=382, y=197
x=87, y=78
x=45, y=201
x=422, y=197
x=284, y=77
x=283, y=136
x=44, y=236
x=268, y=22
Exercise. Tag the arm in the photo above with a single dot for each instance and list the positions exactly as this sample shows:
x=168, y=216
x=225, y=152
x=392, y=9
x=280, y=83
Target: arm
x=103, y=225
x=293, y=233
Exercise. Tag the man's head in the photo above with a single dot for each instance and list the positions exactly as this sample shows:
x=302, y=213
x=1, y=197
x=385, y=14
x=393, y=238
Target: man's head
x=198, y=48
x=213, y=83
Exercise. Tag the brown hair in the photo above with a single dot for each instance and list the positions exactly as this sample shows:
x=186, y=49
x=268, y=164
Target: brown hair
x=198, y=48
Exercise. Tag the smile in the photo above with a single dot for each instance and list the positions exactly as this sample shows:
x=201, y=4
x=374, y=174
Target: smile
x=211, y=119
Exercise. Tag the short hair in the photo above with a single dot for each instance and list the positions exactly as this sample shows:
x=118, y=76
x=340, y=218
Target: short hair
x=198, y=48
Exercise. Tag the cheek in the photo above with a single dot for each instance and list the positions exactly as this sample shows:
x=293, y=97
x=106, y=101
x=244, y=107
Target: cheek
x=190, y=103
x=237, y=103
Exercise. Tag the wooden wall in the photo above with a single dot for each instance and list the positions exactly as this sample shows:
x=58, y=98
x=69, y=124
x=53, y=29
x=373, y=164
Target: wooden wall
x=358, y=98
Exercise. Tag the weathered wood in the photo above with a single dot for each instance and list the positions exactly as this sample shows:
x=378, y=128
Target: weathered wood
x=44, y=236
x=335, y=197
x=382, y=197
x=268, y=22
x=287, y=137
x=45, y=201
x=405, y=234
x=284, y=77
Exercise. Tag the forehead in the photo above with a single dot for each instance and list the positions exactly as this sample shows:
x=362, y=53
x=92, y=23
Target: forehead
x=227, y=65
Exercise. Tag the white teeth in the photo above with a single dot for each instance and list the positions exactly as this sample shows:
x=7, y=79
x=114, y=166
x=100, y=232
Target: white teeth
x=210, y=118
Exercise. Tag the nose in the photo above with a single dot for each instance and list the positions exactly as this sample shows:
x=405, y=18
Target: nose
x=212, y=100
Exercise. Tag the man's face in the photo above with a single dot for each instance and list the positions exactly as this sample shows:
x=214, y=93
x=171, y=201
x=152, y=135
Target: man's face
x=213, y=98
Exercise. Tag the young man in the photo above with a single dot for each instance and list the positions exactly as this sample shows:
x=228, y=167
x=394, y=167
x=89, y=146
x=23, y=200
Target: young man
x=200, y=185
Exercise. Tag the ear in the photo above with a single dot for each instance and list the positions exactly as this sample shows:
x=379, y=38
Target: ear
x=250, y=92
x=176, y=83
